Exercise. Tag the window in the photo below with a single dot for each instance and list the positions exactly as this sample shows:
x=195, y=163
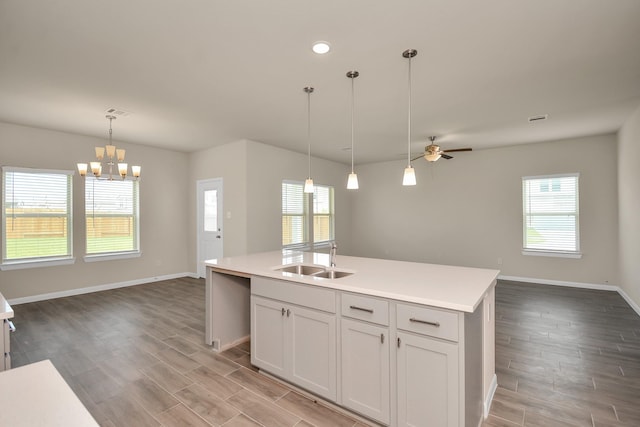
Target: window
x=550, y=215
x=323, y=214
x=36, y=217
x=304, y=216
x=294, y=214
x=112, y=217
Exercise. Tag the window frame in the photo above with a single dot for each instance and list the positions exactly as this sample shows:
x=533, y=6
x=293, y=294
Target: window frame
x=309, y=216
x=526, y=216
x=38, y=261
x=122, y=254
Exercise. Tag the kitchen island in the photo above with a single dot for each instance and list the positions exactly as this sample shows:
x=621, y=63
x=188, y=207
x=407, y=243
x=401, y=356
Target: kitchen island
x=399, y=343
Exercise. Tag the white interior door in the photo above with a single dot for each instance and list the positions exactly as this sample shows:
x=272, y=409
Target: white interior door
x=210, y=237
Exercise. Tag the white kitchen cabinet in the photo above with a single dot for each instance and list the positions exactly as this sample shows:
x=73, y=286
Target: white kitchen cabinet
x=268, y=323
x=365, y=369
x=5, y=344
x=6, y=327
x=313, y=339
x=427, y=381
x=291, y=340
x=400, y=363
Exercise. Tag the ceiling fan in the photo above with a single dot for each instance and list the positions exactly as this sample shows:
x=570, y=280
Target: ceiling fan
x=432, y=152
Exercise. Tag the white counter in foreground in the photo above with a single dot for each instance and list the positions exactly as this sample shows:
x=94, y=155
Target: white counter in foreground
x=444, y=286
x=37, y=396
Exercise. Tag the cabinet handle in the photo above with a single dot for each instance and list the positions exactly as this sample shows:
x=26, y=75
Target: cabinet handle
x=381, y=338
x=355, y=307
x=283, y=310
x=288, y=312
x=398, y=342
x=426, y=322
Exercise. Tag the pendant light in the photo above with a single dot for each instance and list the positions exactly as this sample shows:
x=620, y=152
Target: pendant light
x=308, y=184
x=112, y=153
x=352, y=181
x=409, y=177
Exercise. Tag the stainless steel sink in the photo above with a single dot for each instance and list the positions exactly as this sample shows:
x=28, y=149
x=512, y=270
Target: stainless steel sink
x=332, y=274
x=306, y=270
x=313, y=271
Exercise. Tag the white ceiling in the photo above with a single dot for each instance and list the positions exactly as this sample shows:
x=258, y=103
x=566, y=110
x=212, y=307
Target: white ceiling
x=200, y=73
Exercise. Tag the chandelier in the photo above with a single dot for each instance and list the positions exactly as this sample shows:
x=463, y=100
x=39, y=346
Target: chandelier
x=113, y=154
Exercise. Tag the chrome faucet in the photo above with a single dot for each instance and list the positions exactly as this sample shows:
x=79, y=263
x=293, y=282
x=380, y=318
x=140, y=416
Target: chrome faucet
x=332, y=254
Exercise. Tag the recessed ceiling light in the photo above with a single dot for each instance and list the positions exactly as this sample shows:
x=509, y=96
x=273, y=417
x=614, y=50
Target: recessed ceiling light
x=321, y=47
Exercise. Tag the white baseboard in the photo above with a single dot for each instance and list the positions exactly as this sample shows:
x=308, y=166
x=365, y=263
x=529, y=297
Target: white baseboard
x=230, y=345
x=489, y=397
x=602, y=287
x=629, y=301
x=98, y=288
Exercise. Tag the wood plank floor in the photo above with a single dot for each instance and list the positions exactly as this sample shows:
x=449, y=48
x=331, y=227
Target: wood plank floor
x=135, y=357
x=565, y=357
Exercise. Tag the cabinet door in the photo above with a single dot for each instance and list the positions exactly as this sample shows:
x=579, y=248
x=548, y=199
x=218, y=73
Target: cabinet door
x=313, y=350
x=427, y=382
x=365, y=369
x=268, y=321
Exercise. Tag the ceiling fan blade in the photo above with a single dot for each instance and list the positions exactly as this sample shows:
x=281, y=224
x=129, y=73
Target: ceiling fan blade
x=419, y=157
x=446, y=156
x=457, y=149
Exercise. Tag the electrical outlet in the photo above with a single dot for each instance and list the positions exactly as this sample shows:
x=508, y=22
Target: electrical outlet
x=499, y=260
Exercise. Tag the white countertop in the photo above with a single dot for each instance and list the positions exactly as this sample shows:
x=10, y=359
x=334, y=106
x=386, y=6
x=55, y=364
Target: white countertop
x=6, y=312
x=451, y=287
x=37, y=396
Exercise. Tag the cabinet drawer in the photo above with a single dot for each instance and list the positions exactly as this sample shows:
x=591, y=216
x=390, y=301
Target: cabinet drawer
x=428, y=321
x=300, y=294
x=365, y=308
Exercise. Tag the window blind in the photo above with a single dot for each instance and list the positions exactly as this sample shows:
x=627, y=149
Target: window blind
x=294, y=229
x=112, y=216
x=323, y=215
x=550, y=210
x=36, y=215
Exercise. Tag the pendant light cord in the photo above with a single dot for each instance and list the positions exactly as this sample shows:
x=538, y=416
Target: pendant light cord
x=309, y=90
x=352, y=108
x=110, y=129
x=409, y=120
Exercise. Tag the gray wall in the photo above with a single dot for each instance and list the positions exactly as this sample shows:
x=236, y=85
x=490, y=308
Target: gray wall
x=252, y=175
x=468, y=211
x=163, y=218
x=267, y=167
x=629, y=205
